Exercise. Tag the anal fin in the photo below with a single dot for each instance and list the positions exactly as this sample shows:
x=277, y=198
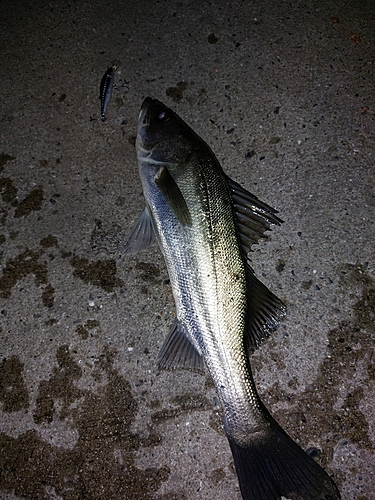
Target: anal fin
x=179, y=352
x=265, y=311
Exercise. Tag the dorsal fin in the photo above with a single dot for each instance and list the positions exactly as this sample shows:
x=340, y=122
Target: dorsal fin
x=253, y=216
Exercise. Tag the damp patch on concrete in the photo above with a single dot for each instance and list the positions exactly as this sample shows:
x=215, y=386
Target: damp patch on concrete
x=101, y=273
x=48, y=296
x=31, y=203
x=13, y=392
x=59, y=387
x=84, y=331
x=100, y=465
x=8, y=190
x=4, y=158
x=149, y=274
x=176, y=93
x=49, y=241
x=149, y=271
x=19, y=267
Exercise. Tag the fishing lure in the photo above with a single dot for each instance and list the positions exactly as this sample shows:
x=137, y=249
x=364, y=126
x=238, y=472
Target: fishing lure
x=106, y=86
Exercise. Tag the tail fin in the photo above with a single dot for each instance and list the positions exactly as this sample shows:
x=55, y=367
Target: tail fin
x=277, y=466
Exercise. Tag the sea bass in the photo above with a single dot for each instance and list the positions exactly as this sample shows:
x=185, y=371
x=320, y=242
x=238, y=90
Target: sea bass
x=205, y=225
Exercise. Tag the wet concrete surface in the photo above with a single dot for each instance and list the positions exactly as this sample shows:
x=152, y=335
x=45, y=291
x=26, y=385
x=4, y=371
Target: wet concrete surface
x=283, y=92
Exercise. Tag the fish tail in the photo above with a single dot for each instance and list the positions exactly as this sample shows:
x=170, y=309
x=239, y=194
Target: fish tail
x=276, y=466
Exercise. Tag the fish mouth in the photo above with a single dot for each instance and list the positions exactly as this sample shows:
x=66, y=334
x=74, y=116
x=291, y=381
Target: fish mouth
x=143, y=112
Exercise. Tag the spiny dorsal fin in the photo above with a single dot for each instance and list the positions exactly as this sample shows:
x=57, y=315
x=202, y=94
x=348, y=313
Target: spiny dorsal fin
x=253, y=216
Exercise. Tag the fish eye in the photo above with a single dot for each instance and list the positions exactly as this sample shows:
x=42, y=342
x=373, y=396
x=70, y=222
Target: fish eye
x=163, y=116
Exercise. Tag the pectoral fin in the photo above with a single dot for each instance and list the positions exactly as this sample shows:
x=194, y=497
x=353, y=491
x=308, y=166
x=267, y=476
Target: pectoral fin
x=179, y=352
x=173, y=196
x=141, y=236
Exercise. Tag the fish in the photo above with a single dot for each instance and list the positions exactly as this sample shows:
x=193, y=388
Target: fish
x=106, y=86
x=205, y=224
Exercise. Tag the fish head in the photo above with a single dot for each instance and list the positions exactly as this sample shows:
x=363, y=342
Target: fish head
x=163, y=138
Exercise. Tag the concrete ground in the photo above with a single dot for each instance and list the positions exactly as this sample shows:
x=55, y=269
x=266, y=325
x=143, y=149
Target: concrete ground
x=283, y=92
